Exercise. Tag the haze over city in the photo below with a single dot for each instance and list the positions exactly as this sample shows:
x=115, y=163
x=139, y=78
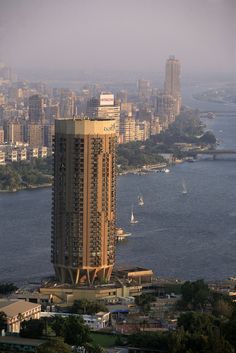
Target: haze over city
x=67, y=37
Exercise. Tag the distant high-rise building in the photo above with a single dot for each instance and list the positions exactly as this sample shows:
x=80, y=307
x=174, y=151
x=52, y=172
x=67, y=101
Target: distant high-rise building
x=172, y=81
x=84, y=200
x=142, y=130
x=67, y=104
x=51, y=112
x=104, y=107
x=127, y=128
x=15, y=132
x=49, y=132
x=1, y=136
x=165, y=108
x=122, y=96
x=155, y=127
x=144, y=89
x=35, y=136
x=36, y=111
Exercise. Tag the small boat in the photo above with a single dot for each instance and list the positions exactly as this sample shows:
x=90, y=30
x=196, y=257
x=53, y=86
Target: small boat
x=184, y=190
x=140, y=200
x=190, y=160
x=132, y=218
x=211, y=115
x=121, y=234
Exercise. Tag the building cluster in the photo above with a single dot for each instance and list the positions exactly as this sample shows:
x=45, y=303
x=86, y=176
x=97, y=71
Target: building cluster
x=28, y=110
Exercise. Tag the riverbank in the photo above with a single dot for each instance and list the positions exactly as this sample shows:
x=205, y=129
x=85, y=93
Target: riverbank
x=31, y=187
x=144, y=169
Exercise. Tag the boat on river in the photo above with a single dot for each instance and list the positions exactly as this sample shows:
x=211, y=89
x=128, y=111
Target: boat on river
x=140, y=200
x=121, y=234
x=184, y=188
x=133, y=220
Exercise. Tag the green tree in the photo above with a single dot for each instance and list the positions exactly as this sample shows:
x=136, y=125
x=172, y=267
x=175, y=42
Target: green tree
x=32, y=328
x=144, y=301
x=76, y=333
x=58, y=325
x=7, y=288
x=85, y=306
x=72, y=329
x=195, y=322
x=229, y=330
x=94, y=348
x=208, y=138
x=3, y=318
x=149, y=340
x=54, y=346
x=222, y=308
x=195, y=295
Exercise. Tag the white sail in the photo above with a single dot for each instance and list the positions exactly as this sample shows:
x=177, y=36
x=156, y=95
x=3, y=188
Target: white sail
x=184, y=190
x=132, y=218
x=140, y=200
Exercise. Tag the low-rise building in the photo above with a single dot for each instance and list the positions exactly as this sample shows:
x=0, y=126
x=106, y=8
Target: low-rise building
x=43, y=152
x=2, y=158
x=97, y=321
x=12, y=155
x=18, y=344
x=33, y=153
x=17, y=311
x=22, y=154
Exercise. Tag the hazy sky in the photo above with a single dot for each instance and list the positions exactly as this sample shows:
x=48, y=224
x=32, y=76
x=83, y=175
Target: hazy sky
x=118, y=34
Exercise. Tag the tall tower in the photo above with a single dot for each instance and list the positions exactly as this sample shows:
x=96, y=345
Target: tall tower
x=84, y=200
x=36, y=111
x=172, y=81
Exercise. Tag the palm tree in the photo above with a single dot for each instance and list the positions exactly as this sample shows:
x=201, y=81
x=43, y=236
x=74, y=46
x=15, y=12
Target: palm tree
x=20, y=318
x=3, y=319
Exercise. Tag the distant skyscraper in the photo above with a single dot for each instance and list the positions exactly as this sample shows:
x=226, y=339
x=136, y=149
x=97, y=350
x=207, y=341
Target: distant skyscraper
x=35, y=136
x=67, y=104
x=104, y=107
x=172, y=81
x=127, y=128
x=15, y=132
x=1, y=136
x=165, y=108
x=36, y=112
x=49, y=132
x=84, y=200
x=144, y=89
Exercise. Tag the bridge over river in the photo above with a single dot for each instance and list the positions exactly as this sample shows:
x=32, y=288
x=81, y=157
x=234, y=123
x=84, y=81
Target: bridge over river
x=213, y=152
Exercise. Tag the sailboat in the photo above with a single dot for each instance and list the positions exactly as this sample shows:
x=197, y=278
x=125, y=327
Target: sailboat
x=132, y=219
x=184, y=190
x=140, y=200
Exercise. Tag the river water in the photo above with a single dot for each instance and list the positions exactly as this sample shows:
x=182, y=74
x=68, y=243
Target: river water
x=184, y=236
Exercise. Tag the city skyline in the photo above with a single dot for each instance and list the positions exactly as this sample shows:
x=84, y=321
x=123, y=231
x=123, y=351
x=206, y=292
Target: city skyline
x=131, y=35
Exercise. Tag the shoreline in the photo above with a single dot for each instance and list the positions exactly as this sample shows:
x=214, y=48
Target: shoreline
x=32, y=187
x=144, y=170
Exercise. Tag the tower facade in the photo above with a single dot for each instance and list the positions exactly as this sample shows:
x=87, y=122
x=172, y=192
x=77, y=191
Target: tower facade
x=172, y=81
x=84, y=200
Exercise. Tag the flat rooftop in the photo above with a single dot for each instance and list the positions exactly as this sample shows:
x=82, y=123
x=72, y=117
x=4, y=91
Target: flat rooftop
x=21, y=341
x=13, y=307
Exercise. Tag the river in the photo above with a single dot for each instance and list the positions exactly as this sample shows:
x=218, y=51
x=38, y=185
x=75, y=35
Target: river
x=183, y=236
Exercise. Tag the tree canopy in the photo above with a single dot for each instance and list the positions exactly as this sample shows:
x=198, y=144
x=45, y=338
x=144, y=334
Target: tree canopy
x=85, y=306
x=54, y=346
